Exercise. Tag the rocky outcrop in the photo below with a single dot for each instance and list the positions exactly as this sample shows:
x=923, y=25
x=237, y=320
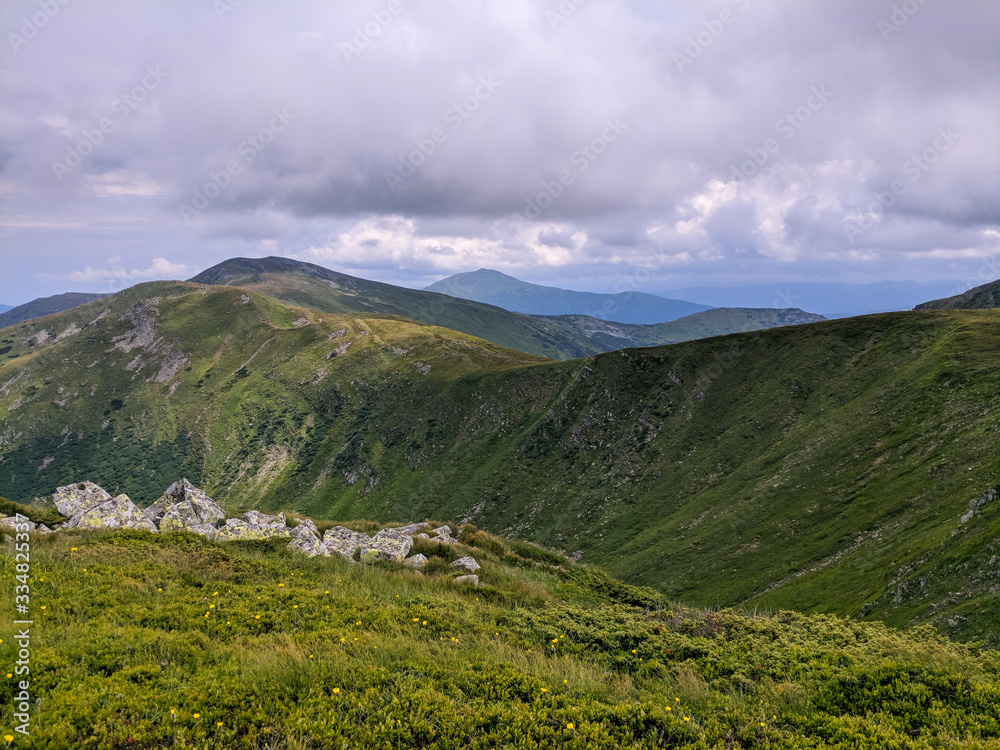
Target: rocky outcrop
x=975, y=505
x=306, y=539
x=344, y=542
x=74, y=500
x=388, y=544
x=466, y=563
x=118, y=512
x=442, y=534
x=184, y=506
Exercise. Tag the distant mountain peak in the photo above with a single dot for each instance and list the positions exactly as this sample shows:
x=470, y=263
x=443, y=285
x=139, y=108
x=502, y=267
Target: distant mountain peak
x=497, y=288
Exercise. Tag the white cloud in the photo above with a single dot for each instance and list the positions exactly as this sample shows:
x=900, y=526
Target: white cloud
x=160, y=268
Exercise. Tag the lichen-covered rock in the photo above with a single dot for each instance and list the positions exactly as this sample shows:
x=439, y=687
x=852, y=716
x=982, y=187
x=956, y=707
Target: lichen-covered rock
x=413, y=528
x=442, y=534
x=76, y=499
x=256, y=518
x=472, y=580
x=305, y=539
x=235, y=528
x=206, y=530
x=344, y=542
x=388, y=544
x=466, y=563
x=194, y=501
x=10, y=521
x=43, y=529
x=118, y=512
x=415, y=561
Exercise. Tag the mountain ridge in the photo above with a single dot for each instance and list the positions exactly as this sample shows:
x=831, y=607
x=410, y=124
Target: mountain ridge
x=556, y=337
x=497, y=288
x=983, y=297
x=46, y=306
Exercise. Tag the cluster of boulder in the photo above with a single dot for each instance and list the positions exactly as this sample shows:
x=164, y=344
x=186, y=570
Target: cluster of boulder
x=184, y=507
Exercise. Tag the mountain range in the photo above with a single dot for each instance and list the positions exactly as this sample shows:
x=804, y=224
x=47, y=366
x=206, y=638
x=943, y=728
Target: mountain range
x=45, y=306
x=844, y=466
x=832, y=300
x=495, y=288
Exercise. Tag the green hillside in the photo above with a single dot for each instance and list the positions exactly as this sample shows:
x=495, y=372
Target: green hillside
x=557, y=337
x=169, y=640
x=983, y=297
x=821, y=468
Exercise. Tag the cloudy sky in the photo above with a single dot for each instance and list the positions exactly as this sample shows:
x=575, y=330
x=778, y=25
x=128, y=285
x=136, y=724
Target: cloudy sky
x=587, y=144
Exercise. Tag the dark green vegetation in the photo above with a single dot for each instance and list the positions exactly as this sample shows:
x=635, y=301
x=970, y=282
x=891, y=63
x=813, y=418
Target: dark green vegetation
x=46, y=306
x=495, y=288
x=820, y=468
x=319, y=288
x=149, y=641
x=982, y=297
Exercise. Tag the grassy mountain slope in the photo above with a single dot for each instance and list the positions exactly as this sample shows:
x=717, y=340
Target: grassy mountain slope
x=982, y=297
x=715, y=322
x=821, y=468
x=45, y=306
x=495, y=288
x=557, y=337
x=308, y=285
x=151, y=641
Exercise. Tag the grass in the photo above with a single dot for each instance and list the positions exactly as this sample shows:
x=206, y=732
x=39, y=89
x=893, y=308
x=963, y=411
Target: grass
x=170, y=640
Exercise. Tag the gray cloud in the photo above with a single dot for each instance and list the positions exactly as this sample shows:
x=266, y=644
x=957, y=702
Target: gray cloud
x=414, y=147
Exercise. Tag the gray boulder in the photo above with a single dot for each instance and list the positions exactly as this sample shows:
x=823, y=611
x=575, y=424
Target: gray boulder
x=442, y=534
x=466, y=563
x=415, y=561
x=118, y=512
x=235, y=528
x=305, y=540
x=472, y=580
x=344, y=542
x=76, y=499
x=388, y=544
x=10, y=522
x=203, y=529
x=413, y=528
x=184, y=505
